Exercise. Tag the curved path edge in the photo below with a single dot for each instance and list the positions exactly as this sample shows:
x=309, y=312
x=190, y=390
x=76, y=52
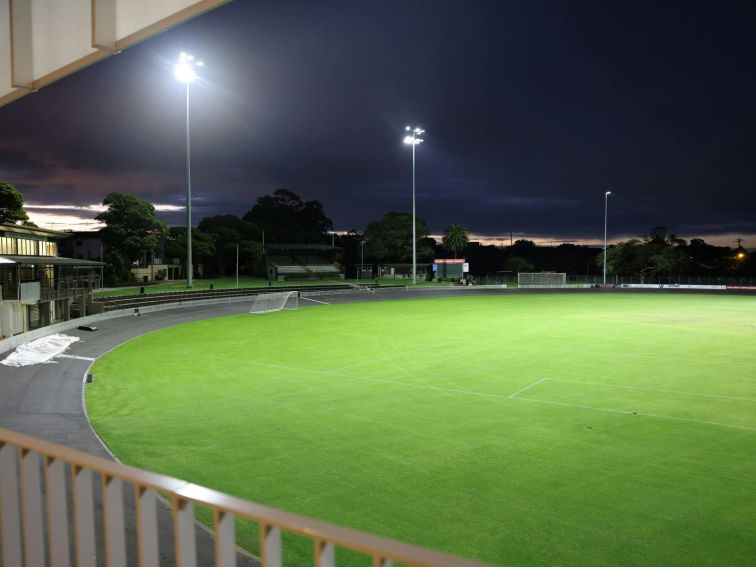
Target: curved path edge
x=48, y=400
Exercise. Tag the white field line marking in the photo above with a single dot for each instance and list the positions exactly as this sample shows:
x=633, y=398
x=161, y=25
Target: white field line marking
x=644, y=389
x=75, y=357
x=379, y=380
x=395, y=355
x=628, y=412
x=499, y=396
x=315, y=300
x=528, y=387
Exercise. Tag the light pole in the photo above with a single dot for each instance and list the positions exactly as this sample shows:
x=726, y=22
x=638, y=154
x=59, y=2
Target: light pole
x=414, y=139
x=185, y=73
x=362, y=257
x=606, y=213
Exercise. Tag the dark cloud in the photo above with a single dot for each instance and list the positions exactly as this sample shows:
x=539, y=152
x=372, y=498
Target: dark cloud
x=533, y=110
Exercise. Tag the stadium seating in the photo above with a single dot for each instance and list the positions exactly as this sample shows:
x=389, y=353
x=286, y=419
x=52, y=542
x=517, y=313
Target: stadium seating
x=298, y=265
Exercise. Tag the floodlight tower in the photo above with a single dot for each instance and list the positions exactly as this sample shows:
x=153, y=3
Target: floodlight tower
x=413, y=138
x=185, y=72
x=606, y=211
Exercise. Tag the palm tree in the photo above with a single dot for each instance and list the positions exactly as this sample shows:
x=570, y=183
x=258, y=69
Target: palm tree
x=455, y=238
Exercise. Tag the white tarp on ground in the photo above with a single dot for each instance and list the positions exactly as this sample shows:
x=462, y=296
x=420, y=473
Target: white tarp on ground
x=39, y=351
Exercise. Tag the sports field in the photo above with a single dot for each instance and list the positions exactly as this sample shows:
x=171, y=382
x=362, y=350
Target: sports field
x=576, y=429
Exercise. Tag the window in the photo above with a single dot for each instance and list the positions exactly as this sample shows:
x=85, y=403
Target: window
x=27, y=247
x=7, y=245
x=48, y=249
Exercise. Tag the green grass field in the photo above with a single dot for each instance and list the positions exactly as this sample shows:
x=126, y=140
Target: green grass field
x=576, y=429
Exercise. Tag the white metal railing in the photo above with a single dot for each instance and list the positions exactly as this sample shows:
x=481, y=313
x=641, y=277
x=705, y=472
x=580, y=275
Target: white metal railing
x=12, y=342
x=35, y=494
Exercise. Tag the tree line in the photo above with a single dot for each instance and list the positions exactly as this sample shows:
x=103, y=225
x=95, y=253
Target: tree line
x=661, y=255
x=133, y=232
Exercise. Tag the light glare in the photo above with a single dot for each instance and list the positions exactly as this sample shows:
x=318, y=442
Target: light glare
x=184, y=70
x=414, y=138
x=185, y=73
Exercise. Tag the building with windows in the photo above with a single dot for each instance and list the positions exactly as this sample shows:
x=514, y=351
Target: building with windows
x=82, y=245
x=37, y=287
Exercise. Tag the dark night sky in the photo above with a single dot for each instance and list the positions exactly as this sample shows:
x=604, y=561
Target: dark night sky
x=532, y=110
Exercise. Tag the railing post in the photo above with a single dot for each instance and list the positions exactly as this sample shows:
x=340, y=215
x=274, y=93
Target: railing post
x=57, y=512
x=10, y=514
x=31, y=509
x=270, y=544
x=146, y=524
x=325, y=554
x=115, y=532
x=183, y=529
x=83, y=502
x=225, y=540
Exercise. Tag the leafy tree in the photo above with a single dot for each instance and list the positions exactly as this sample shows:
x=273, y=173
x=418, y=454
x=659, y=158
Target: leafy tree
x=203, y=247
x=517, y=265
x=632, y=257
x=351, y=250
x=241, y=229
x=228, y=231
x=251, y=258
x=390, y=239
x=657, y=254
x=284, y=217
x=131, y=232
x=526, y=249
x=455, y=238
x=707, y=259
x=12, y=205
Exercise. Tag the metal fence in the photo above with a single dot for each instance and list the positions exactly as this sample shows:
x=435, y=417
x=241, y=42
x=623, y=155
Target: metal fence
x=39, y=481
x=12, y=342
x=667, y=280
x=511, y=280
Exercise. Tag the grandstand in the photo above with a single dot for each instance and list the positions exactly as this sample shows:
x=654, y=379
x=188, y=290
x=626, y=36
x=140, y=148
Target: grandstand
x=302, y=261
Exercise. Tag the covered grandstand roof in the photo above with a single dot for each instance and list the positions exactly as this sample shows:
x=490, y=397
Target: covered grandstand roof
x=48, y=261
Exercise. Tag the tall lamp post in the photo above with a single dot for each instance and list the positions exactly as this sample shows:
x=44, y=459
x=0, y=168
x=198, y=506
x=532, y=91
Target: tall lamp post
x=413, y=138
x=606, y=212
x=185, y=72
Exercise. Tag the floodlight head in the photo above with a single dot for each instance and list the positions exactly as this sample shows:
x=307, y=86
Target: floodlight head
x=184, y=70
x=185, y=73
x=608, y=193
x=414, y=137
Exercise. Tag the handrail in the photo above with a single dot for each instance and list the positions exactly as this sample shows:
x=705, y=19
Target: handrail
x=21, y=505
